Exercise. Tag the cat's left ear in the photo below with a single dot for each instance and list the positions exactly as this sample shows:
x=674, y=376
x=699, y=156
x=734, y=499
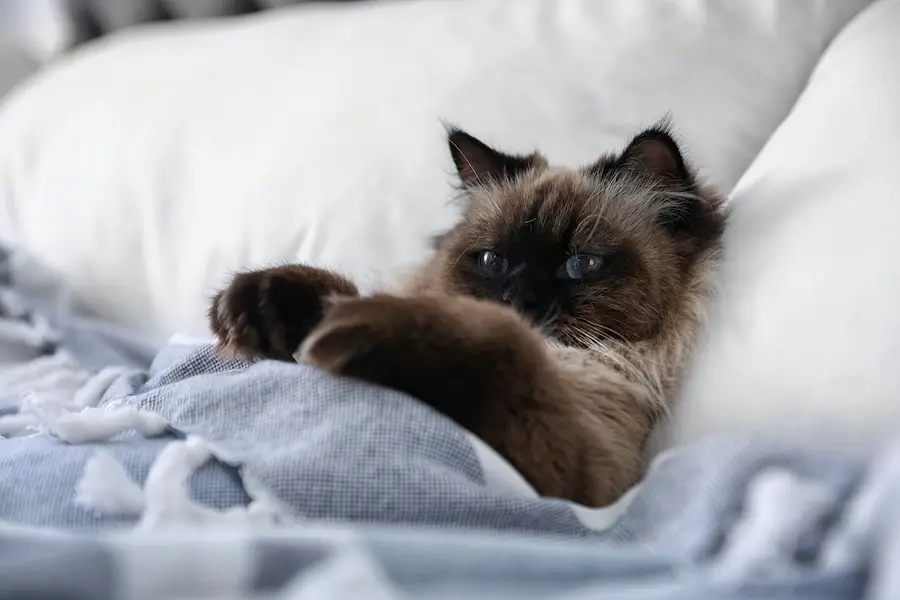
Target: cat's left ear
x=478, y=164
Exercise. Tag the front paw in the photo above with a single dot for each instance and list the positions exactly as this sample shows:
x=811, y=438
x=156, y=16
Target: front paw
x=452, y=353
x=268, y=313
x=357, y=337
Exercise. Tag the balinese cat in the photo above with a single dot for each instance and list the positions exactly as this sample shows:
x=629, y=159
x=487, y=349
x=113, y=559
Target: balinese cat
x=552, y=321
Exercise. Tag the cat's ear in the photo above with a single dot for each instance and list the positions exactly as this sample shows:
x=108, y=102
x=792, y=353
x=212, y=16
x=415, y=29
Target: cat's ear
x=654, y=152
x=478, y=164
x=684, y=208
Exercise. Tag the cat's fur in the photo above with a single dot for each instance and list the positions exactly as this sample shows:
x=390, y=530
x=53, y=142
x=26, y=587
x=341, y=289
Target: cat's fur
x=565, y=378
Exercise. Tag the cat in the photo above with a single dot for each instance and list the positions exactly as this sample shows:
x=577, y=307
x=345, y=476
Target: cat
x=552, y=321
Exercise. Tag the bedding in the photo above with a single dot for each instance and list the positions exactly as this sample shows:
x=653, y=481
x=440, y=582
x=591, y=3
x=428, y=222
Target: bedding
x=46, y=28
x=322, y=447
x=313, y=133
x=804, y=341
x=162, y=470
x=156, y=472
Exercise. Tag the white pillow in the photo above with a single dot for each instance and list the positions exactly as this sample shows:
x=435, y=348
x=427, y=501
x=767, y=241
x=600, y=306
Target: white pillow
x=148, y=166
x=806, y=345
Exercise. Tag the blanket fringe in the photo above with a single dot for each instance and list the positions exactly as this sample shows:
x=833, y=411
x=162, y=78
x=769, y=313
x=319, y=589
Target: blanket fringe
x=54, y=396
x=853, y=542
x=43, y=396
x=108, y=488
x=165, y=500
x=90, y=394
x=778, y=505
x=92, y=424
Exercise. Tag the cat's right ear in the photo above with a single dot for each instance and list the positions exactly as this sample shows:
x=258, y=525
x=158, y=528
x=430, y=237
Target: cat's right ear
x=478, y=164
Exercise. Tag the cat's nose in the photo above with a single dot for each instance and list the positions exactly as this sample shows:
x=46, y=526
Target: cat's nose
x=522, y=299
x=517, y=294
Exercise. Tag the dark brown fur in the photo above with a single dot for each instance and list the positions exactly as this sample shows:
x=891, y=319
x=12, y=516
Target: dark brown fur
x=564, y=377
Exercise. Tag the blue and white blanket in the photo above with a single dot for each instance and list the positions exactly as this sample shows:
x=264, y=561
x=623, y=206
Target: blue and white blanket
x=173, y=473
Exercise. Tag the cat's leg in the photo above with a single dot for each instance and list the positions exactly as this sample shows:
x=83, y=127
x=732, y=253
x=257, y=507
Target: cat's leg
x=481, y=365
x=618, y=415
x=266, y=314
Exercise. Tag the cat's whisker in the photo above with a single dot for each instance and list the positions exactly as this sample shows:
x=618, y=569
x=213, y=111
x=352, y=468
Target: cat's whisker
x=646, y=377
x=601, y=331
x=549, y=315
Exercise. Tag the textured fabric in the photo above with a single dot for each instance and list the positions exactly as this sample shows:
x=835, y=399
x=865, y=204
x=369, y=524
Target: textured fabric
x=335, y=448
x=37, y=299
x=732, y=518
x=45, y=350
x=725, y=519
x=324, y=448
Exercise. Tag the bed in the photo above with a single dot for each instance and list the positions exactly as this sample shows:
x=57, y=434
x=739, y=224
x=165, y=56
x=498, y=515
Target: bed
x=139, y=169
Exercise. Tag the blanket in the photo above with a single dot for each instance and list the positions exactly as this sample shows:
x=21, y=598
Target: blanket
x=738, y=520
x=303, y=444
x=171, y=471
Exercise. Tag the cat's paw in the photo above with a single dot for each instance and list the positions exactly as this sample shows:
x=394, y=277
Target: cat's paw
x=355, y=333
x=267, y=314
x=452, y=353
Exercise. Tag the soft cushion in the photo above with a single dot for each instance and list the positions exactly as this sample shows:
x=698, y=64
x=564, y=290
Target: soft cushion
x=149, y=165
x=807, y=338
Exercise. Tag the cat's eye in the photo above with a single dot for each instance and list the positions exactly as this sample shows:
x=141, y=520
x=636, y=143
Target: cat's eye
x=581, y=266
x=492, y=264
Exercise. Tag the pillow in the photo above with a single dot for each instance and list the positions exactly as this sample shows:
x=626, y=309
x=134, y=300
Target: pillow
x=73, y=22
x=806, y=340
x=150, y=164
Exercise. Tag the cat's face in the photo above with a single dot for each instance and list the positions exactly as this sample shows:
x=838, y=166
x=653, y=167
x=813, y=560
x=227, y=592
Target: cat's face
x=587, y=254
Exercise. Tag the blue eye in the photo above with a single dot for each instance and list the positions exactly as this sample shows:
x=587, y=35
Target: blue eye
x=581, y=266
x=492, y=264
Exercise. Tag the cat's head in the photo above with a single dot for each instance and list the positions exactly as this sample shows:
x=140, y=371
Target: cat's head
x=608, y=250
